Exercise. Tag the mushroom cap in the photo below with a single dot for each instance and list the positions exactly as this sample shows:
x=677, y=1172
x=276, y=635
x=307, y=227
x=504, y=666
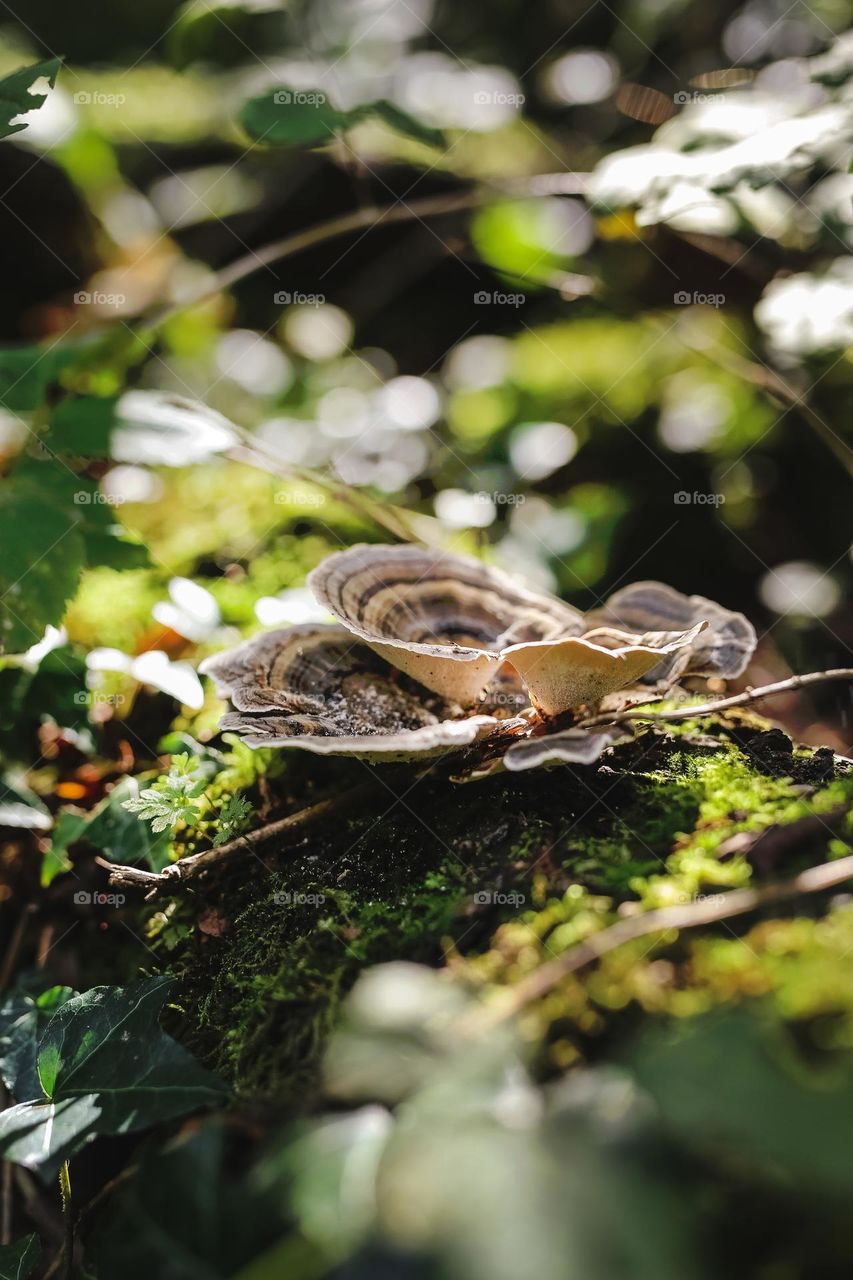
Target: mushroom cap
x=570, y=746
x=380, y=748
x=723, y=649
x=442, y=618
x=580, y=671
x=317, y=688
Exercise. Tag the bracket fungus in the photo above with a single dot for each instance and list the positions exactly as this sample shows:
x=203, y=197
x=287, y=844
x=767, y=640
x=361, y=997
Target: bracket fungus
x=432, y=652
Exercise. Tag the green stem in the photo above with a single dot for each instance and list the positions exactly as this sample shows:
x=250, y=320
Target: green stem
x=68, y=1219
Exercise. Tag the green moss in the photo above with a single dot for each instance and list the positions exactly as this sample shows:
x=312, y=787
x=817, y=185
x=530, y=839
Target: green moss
x=293, y=957
x=501, y=875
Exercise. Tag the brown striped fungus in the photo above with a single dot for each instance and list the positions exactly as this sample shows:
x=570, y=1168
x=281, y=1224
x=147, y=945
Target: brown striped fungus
x=431, y=653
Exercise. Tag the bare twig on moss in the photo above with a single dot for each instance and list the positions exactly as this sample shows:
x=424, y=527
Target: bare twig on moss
x=187, y=870
x=725, y=906
x=723, y=704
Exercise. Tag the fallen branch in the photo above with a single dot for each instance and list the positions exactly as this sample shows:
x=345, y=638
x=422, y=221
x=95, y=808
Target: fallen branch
x=736, y=902
x=188, y=869
x=723, y=704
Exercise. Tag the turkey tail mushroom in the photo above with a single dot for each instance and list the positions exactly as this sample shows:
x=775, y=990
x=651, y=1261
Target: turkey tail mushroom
x=443, y=619
x=723, y=649
x=317, y=688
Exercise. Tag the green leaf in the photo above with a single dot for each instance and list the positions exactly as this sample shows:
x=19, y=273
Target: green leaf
x=293, y=117
x=396, y=118
x=20, y=807
x=53, y=524
x=23, y=1019
x=298, y=117
x=43, y=557
x=222, y=33
x=20, y=1259
x=210, y=1223
x=733, y=1085
x=110, y=828
x=15, y=96
x=233, y=817
x=82, y=425
x=26, y=372
x=109, y=1069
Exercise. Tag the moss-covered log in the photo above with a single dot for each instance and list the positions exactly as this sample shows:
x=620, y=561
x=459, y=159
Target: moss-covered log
x=495, y=877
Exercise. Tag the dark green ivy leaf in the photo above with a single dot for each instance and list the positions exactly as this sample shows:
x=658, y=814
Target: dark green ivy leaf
x=104, y=1067
x=210, y=1224
x=23, y=1019
x=15, y=96
x=19, y=1260
x=293, y=117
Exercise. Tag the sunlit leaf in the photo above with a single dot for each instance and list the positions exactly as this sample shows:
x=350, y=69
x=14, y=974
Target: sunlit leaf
x=105, y=1067
x=15, y=96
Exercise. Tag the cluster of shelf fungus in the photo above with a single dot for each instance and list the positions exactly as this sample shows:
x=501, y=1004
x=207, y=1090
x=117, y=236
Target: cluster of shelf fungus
x=432, y=653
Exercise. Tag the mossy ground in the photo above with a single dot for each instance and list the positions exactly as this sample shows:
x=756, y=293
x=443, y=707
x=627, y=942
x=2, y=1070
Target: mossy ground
x=496, y=876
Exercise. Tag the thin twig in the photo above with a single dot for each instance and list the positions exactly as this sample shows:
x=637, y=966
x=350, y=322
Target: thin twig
x=187, y=869
x=371, y=217
x=723, y=704
x=777, y=386
x=736, y=902
x=393, y=519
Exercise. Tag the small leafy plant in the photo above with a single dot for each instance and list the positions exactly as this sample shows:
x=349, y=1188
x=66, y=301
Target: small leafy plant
x=179, y=796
